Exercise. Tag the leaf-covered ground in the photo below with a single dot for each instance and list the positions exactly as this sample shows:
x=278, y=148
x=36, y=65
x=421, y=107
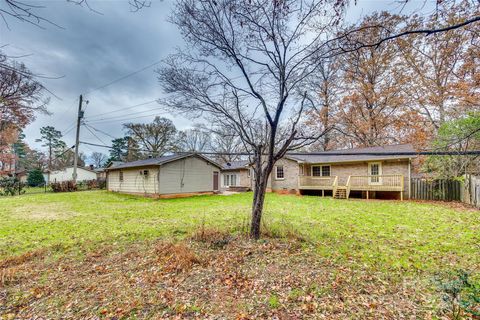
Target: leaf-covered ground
x=101, y=255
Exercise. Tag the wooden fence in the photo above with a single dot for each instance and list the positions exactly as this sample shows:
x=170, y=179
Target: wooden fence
x=471, y=193
x=438, y=189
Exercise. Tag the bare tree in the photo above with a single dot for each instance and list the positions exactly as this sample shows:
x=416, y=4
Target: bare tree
x=30, y=12
x=156, y=138
x=194, y=140
x=328, y=88
x=98, y=159
x=227, y=144
x=244, y=71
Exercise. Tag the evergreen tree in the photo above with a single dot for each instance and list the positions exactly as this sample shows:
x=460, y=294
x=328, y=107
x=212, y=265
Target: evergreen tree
x=51, y=139
x=35, y=178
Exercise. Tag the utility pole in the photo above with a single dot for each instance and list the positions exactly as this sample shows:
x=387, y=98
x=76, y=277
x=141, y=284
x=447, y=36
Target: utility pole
x=77, y=139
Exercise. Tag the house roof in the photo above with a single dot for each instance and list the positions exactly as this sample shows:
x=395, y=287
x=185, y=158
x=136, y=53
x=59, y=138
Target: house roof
x=235, y=165
x=356, y=154
x=113, y=163
x=159, y=161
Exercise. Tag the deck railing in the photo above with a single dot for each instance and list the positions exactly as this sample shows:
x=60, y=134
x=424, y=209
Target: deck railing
x=386, y=182
x=318, y=182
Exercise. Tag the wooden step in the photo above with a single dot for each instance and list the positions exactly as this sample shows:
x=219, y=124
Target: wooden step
x=340, y=193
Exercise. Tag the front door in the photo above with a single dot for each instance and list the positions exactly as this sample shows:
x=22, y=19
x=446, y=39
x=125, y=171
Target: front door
x=375, y=171
x=215, y=181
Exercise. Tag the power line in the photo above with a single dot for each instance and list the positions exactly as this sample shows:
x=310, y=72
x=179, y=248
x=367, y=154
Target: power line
x=67, y=131
x=123, y=77
x=125, y=115
x=123, y=109
x=94, y=134
x=124, y=119
x=98, y=130
x=407, y=153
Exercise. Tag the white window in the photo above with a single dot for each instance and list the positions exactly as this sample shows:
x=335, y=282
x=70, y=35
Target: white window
x=229, y=180
x=321, y=171
x=301, y=170
x=121, y=175
x=279, y=173
x=375, y=170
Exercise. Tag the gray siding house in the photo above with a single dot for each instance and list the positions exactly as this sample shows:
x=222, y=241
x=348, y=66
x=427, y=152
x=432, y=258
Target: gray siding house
x=166, y=177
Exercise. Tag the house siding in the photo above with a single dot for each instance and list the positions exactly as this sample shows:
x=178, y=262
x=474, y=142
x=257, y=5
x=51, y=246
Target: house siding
x=243, y=180
x=133, y=181
x=67, y=174
x=290, y=181
x=361, y=168
x=187, y=175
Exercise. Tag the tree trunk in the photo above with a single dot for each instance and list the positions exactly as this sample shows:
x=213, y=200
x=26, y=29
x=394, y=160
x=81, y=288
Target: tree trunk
x=261, y=180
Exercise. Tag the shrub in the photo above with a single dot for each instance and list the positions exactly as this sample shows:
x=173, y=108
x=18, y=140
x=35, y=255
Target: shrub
x=102, y=183
x=35, y=178
x=460, y=295
x=10, y=186
x=92, y=184
x=64, y=186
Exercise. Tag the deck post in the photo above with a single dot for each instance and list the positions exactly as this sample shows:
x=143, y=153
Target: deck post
x=367, y=194
x=402, y=185
x=323, y=192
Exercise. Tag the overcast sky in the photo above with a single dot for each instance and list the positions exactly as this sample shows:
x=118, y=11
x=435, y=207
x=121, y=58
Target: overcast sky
x=91, y=50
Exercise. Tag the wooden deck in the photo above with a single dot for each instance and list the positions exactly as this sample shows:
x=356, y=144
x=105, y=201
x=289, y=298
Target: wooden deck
x=392, y=182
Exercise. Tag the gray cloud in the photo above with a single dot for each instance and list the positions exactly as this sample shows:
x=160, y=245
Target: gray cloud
x=93, y=49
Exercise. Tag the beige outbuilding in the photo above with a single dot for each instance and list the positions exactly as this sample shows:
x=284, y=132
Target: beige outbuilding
x=170, y=176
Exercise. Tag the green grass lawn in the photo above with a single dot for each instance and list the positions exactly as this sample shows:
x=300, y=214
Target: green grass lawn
x=99, y=255
x=391, y=235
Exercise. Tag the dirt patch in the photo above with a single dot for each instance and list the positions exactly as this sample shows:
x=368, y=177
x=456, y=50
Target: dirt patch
x=192, y=280
x=43, y=211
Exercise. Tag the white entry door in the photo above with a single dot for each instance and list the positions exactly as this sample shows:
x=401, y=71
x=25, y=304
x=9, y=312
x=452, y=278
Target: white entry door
x=375, y=171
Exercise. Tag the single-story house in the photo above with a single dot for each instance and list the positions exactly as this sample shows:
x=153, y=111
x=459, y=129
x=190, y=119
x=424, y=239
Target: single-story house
x=168, y=176
x=101, y=173
x=377, y=172
x=236, y=176
x=83, y=174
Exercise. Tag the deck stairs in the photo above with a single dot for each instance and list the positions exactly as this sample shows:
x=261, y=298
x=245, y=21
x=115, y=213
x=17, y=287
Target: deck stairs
x=340, y=192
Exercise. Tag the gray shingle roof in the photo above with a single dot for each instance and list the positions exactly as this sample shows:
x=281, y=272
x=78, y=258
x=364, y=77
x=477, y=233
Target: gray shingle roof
x=158, y=161
x=235, y=165
x=356, y=154
x=113, y=164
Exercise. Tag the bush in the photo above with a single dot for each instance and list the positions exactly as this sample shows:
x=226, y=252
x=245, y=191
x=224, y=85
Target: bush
x=70, y=186
x=102, y=184
x=11, y=186
x=35, y=178
x=460, y=295
x=64, y=186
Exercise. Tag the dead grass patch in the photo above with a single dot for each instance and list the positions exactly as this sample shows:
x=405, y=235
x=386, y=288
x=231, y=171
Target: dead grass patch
x=43, y=211
x=11, y=268
x=176, y=257
x=213, y=237
x=21, y=259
